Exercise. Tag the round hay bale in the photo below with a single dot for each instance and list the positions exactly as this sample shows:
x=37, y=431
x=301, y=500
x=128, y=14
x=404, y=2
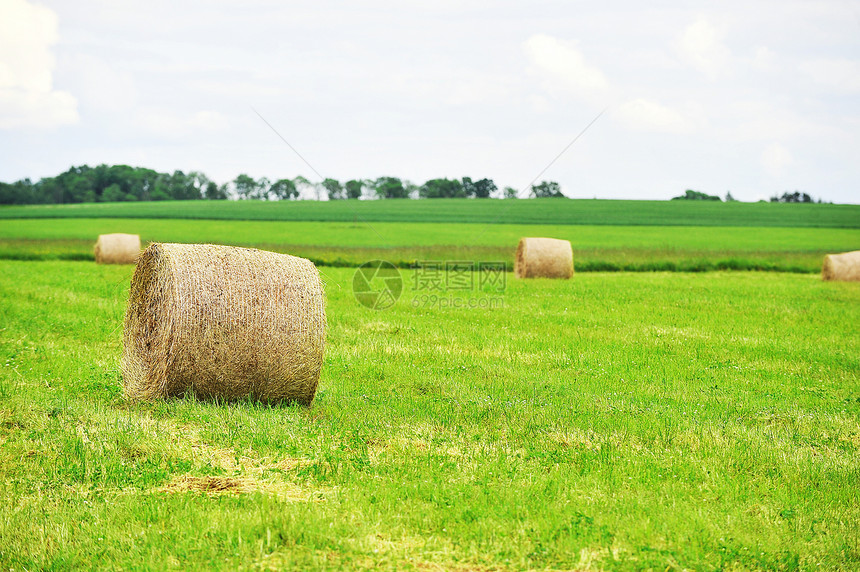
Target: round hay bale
x=117, y=248
x=844, y=267
x=223, y=322
x=543, y=258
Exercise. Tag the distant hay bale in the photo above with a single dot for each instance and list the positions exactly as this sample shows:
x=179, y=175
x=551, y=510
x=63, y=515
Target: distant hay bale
x=223, y=322
x=844, y=267
x=543, y=258
x=117, y=248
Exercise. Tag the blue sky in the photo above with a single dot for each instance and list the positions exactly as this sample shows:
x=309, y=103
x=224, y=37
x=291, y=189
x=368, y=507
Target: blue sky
x=756, y=98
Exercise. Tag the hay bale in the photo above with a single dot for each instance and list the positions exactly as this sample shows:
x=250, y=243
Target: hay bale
x=223, y=322
x=117, y=248
x=543, y=258
x=844, y=267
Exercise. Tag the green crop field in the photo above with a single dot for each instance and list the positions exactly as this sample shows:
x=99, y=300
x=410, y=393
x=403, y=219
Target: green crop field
x=596, y=247
x=534, y=211
x=614, y=421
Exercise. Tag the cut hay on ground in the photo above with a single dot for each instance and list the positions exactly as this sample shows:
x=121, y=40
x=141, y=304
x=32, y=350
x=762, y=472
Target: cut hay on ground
x=543, y=258
x=225, y=323
x=844, y=267
x=117, y=248
x=217, y=486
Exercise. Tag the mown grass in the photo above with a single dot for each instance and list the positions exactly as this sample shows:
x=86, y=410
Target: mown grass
x=596, y=248
x=533, y=211
x=613, y=421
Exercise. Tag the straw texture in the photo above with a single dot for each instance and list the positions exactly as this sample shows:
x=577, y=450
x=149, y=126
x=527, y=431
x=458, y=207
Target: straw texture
x=543, y=258
x=225, y=323
x=844, y=267
x=117, y=248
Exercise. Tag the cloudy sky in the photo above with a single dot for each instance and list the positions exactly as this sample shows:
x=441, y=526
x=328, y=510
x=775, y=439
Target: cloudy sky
x=752, y=97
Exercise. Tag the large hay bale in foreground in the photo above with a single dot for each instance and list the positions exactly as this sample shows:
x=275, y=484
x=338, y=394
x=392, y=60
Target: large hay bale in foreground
x=843, y=267
x=543, y=258
x=117, y=248
x=223, y=322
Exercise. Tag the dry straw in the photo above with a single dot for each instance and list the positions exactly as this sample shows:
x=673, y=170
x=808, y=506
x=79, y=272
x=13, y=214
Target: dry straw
x=844, y=267
x=117, y=248
x=223, y=322
x=543, y=258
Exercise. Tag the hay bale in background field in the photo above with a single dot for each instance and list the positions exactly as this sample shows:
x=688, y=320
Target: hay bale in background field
x=117, y=248
x=223, y=322
x=543, y=258
x=843, y=267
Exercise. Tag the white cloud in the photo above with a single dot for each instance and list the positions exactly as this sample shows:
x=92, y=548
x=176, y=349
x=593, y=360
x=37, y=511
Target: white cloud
x=764, y=59
x=539, y=103
x=775, y=158
x=27, y=97
x=837, y=75
x=100, y=86
x=769, y=119
x=564, y=65
x=701, y=46
x=209, y=121
x=452, y=86
x=646, y=115
x=170, y=124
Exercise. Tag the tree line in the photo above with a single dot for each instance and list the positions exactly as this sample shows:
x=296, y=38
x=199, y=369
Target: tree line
x=113, y=183
x=795, y=197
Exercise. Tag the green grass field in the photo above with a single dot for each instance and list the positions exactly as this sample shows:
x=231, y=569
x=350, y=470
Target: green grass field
x=618, y=420
x=534, y=211
x=596, y=247
x=613, y=421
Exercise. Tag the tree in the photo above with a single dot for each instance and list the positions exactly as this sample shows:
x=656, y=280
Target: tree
x=441, y=189
x=140, y=182
x=284, y=189
x=197, y=183
x=9, y=195
x=468, y=187
x=795, y=197
x=17, y=193
x=411, y=189
x=303, y=185
x=730, y=198
x=113, y=194
x=213, y=192
x=113, y=183
x=354, y=188
x=80, y=189
x=183, y=187
x=262, y=191
x=691, y=195
x=510, y=193
x=546, y=189
x=390, y=188
x=245, y=186
x=481, y=189
x=333, y=189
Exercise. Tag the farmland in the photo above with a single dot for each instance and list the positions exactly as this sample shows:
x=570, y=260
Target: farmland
x=332, y=243
x=688, y=420
x=536, y=211
x=618, y=420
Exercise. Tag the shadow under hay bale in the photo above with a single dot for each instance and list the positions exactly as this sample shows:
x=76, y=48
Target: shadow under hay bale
x=843, y=267
x=223, y=323
x=543, y=258
x=117, y=248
